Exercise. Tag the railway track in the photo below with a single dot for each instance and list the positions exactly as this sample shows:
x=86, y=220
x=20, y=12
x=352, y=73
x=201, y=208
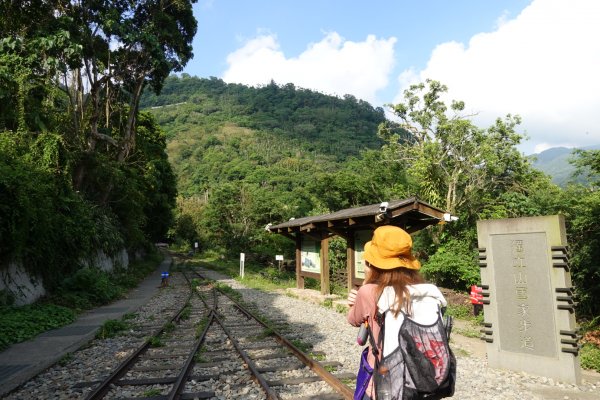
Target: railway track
x=214, y=346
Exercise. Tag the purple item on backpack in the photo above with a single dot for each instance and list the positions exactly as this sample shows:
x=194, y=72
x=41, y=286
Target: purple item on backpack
x=365, y=372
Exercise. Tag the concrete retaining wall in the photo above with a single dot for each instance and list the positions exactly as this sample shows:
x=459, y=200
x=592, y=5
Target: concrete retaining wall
x=27, y=289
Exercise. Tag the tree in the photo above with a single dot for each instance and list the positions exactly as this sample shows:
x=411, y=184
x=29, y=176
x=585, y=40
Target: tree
x=453, y=163
x=588, y=163
x=581, y=207
x=71, y=74
x=101, y=54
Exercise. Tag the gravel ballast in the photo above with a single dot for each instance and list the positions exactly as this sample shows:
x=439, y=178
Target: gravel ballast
x=326, y=331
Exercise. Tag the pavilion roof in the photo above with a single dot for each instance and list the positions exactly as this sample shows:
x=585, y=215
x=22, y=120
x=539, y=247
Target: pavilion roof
x=410, y=214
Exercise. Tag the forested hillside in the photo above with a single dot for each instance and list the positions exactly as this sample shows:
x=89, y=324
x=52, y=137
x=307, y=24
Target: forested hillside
x=556, y=162
x=219, y=132
x=246, y=157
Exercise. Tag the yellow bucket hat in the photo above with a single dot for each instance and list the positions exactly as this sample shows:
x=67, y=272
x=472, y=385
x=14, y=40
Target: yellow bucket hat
x=390, y=248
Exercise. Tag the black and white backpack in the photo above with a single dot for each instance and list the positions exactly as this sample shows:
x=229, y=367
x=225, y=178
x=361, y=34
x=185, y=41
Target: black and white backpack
x=422, y=366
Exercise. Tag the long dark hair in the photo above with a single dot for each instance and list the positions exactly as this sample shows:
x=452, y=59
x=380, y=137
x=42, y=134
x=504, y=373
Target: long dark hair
x=399, y=279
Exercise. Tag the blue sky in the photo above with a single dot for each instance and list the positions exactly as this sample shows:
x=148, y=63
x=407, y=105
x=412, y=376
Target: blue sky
x=535, y=58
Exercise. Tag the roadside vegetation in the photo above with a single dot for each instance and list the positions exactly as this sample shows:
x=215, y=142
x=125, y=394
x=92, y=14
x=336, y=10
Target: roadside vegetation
x=86, y=289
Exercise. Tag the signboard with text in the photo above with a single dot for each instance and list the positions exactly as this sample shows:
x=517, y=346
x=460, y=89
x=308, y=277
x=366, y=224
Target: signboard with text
x=360, y=238
x=310, y=256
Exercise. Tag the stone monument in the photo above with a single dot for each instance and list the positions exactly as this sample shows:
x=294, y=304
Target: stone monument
x=528, y=297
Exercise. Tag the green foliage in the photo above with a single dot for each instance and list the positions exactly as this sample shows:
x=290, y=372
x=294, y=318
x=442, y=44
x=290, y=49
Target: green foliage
x=454, y=265
x=289, y=119
x=66, y=359
x=81, y=170
x=6, y=298
x=21, y=323
x=152, y=392
x=338, y=277
x=169, y=327
x=47, y=225
x=112, y=328
x=88, y=287
x=589, y=355
x=200, y=327
x=130, y=277
x=581, y=208
x=450, y=162
x=155, y=341
x=186, y=312
x=302, y=346
x=246, y=157
x=587, y=163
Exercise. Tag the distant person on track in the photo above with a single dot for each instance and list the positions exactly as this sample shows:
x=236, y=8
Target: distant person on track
x=392, y=281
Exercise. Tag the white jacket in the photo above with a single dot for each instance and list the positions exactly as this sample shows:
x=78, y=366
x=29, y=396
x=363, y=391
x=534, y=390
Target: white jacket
x=426, y=300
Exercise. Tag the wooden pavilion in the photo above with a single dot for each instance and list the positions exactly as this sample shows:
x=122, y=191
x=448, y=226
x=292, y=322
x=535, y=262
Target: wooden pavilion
x=356, y=225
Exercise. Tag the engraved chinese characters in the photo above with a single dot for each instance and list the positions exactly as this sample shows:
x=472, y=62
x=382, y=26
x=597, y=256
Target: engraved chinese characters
x=522, y=275
x=527, y=296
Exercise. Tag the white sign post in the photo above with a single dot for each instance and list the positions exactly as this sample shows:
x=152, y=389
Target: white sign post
x=280, y=259
x=242, y=259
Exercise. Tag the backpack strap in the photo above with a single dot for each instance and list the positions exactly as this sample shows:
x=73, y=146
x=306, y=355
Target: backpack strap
x=378, y=344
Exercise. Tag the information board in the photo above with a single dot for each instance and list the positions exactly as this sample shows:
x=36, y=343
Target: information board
x=310, y=256
x=360, y=238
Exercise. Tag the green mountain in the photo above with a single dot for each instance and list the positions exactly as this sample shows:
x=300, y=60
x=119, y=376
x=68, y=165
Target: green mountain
x=556, y=163
x=246, y=157
x=230, y=132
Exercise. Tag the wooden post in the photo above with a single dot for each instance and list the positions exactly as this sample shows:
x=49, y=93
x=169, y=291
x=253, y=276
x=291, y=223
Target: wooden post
x=350, y=261
x=299, y=278
x=325, y=266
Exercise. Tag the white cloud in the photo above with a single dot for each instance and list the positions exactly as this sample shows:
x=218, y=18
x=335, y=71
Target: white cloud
x=333, y=65
x=542, y=65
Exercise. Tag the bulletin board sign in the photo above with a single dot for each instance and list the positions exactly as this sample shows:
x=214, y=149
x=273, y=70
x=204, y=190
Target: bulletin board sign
x=360, y=238
x=310, y=256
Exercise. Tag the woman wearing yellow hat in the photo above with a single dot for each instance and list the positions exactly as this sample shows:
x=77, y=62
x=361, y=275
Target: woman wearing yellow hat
x=392, y=282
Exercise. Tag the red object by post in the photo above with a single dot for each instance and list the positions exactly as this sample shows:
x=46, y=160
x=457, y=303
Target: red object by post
x=476, y=295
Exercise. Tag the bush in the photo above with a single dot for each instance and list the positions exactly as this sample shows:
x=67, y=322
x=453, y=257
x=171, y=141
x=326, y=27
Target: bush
x=590, y=357
x=112, y=328
x=453, y=266
x=89, y=287
x=21, y=323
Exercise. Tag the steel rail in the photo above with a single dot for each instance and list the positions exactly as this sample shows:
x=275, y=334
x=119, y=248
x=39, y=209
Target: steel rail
x=102, y=389
x=189, y=364
x=271, y=394
x=314, y=365
x=338, y=385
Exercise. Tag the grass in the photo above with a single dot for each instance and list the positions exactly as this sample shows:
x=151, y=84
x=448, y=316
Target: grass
x=112, y=328
x=302, y=346
x=330, y=368
x=152, y=392
x=66, y=359
x=256, y=275
x=199, y=356
x=155, y=341
x=185, y=313
x=471, y=332
x=266, y=333
x=201, y=326
x=589, y=355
